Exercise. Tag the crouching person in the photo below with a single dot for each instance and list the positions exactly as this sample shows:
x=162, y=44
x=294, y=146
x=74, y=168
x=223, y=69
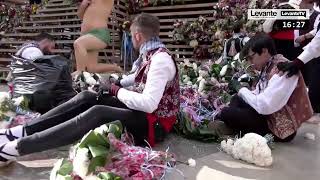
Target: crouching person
x=278, y=105
x=150, y=106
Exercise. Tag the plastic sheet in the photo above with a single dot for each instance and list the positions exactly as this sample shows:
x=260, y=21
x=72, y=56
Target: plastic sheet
x=46, y=81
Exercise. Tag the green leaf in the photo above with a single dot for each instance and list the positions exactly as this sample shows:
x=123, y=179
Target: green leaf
x=95, y=162
x=60, y=177
x=93, y=138
x=98, y=150
x=106, y=176
x=114, y=129
x=65, y=168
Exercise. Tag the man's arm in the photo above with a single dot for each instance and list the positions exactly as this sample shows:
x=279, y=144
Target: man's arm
x=162, y=70
x=128, y=80
x=82, y=8
x=312, y=50
x=274, y=97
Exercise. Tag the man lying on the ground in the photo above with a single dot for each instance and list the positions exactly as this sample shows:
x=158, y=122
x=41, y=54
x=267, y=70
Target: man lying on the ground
x=44, y=44
x=277, y=105
x=153, y=104
x=95, y=36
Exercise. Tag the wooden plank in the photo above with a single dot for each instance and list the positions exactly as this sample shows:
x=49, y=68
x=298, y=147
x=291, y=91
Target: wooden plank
x=185, y=13
x=57, y=9
x=5, y=59
x=57, y=5
x=57, y=27
x=57, y=42
x=48, y=27
x=186, y=19
x=52, y=21
x=66, y=14
x=175, y=7
x=54, y=51
x=53, y=15
x=35, y=34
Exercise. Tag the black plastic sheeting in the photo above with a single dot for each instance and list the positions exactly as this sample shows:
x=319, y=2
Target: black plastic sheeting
x=46, y=81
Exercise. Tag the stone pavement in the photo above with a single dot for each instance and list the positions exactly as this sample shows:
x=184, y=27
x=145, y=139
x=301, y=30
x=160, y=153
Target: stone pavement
x=297, y=160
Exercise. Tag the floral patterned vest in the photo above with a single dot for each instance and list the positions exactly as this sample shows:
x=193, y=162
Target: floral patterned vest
x=298, y=109
x=168, y=108
x=169, y=104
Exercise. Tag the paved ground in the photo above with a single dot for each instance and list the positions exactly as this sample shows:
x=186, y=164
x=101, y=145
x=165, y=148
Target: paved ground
x=297, y=160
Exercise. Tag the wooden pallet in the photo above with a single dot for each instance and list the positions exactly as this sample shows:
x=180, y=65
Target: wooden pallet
x=59, y=18
x=189, y=11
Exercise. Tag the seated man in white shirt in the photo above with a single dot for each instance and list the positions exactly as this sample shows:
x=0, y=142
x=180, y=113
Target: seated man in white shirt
x=151, y=106
x=277, y=104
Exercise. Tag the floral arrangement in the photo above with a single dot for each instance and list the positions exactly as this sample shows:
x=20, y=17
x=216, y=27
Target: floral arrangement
x=107, y=154
x=133, y=6
x=14, y=111
x=208, y=39
x=12, y=16
x=206, y=88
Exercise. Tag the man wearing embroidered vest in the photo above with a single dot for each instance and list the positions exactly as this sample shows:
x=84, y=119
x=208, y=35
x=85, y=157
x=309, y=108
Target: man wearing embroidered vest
x=277, y=105
x=150, y=106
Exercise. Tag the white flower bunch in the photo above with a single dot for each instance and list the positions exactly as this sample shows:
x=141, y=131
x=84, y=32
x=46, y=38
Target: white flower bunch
x=251, y=148
x=81, y=162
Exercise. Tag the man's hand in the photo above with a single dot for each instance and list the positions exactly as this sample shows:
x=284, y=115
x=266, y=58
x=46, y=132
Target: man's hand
x=106, y=87
x=292, y=68
x=300, y=39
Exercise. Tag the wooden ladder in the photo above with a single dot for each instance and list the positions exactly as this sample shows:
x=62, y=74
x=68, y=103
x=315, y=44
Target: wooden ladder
x=59, y=18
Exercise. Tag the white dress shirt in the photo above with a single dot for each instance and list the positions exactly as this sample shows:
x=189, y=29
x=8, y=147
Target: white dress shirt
x=312, y=50
x=31, y=53
x=162, y=69
x=274, y=97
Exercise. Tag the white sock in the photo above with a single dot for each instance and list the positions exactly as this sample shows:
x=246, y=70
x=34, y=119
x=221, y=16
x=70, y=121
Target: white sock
x=9, y=150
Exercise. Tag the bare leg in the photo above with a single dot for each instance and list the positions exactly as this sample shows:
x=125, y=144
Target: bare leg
x=96, y=67
x=86, y=52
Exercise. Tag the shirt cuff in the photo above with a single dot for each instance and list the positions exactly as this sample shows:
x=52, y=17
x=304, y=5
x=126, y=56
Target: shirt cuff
x=243, y=92
x=305, y=56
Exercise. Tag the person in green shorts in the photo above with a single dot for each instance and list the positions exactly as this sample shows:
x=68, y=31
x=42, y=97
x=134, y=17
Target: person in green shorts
x=95, y=36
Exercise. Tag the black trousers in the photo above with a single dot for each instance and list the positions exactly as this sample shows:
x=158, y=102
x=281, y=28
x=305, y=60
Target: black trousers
x=311, y=75
x=71, y=120
x=242, y=117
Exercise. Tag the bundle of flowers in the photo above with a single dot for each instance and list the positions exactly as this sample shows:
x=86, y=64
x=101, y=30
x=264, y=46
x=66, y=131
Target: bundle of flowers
x=206, y=88
x=251, y=148
x=14, y=111
x=101, y=154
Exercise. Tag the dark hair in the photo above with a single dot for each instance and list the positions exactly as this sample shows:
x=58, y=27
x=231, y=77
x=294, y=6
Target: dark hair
x=44, y=35
x=237, y=27
x=257, y=43
x=147, y=24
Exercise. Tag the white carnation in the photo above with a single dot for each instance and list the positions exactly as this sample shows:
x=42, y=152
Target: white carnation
x=81, y=162
x=192, y=162
x=251, y=148
x=89, y=79
x=224, y=70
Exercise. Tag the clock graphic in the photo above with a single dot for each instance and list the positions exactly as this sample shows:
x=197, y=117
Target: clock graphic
x=294, y=24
